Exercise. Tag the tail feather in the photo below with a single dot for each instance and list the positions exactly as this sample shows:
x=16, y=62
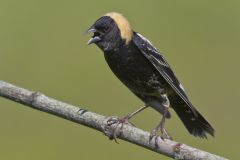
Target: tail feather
x=195, y=123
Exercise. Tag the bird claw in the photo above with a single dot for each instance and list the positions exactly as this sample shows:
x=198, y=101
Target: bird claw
x=122, y=121
x=114, y=127
x=164, y=135
x=155, y=137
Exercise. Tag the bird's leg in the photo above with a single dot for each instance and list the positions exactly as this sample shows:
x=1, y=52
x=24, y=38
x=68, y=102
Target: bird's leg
x=161, y=125
x=129, y=116
x=126, y=118
x=120, y=121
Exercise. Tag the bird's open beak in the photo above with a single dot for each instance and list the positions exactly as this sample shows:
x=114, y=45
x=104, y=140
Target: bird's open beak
x=96, y=36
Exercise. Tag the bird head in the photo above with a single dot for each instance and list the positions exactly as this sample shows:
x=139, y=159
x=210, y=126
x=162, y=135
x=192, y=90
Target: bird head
x=110, y=31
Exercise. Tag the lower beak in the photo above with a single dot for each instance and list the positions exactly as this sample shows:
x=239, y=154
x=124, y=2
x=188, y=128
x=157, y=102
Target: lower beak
x=94, y=39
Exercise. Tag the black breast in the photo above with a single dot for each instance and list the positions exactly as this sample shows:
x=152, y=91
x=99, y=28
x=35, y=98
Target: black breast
x=134, y=70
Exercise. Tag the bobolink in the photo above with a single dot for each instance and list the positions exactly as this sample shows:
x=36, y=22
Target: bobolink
x=141, y=67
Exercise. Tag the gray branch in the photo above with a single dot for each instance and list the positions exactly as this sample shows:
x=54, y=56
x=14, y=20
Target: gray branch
x=93, y=120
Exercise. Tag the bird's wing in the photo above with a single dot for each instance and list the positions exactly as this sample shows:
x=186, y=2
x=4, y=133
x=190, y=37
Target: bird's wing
x=159, y=62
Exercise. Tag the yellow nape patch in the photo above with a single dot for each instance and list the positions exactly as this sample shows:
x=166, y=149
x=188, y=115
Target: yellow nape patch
x=123, y=25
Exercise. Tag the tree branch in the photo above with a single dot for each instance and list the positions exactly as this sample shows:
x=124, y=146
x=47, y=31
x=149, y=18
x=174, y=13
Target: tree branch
x=93, y=120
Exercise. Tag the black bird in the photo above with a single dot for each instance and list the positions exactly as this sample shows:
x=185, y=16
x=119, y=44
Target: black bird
x=141, y=67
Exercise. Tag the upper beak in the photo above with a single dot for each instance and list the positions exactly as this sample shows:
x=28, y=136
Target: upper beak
x=94, y=38
x=91, y=30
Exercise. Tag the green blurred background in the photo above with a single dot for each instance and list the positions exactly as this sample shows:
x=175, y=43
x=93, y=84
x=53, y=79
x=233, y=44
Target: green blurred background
x=43, y=48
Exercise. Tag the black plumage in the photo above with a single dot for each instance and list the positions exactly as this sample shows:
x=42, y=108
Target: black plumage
x=140, y=66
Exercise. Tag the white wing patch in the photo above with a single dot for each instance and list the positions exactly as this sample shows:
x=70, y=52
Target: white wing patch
x=181, y=86
x=145, y=39
x=153, y=49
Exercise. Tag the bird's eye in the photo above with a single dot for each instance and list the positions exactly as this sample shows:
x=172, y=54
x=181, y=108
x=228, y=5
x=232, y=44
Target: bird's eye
x=104, y=29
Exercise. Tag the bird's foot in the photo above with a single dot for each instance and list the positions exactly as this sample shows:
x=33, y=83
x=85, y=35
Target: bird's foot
x=154, y=136
x=114, y=127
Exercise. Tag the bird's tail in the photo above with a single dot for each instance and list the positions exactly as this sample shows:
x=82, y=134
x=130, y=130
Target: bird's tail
x=195, y=123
